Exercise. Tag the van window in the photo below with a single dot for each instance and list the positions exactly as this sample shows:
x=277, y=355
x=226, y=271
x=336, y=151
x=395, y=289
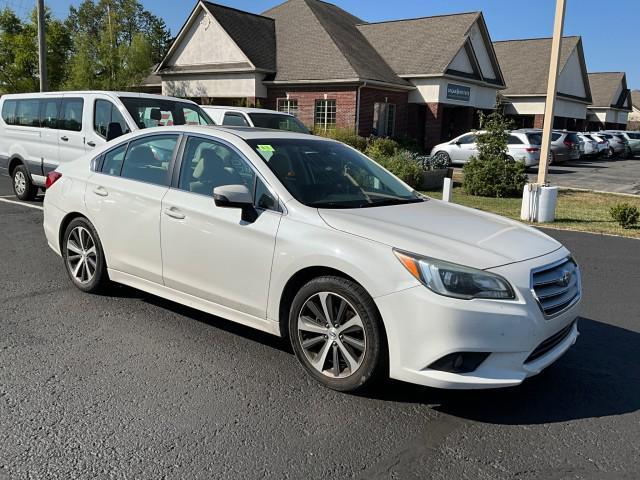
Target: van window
x=71, y=115
x=234, y=120
x=105, y=113
x=148, y=159
x=8, y=112
x=27, y=112
x=49, y=112
x=159, y=112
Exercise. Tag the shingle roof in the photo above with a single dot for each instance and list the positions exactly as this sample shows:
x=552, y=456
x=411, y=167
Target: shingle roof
x=259, y=45
x=635, y=98
x=319, y=41
x=604, y=86
x=421, y=45
x=525, y=63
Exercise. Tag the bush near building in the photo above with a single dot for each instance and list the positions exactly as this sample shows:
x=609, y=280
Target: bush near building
x=492, y=173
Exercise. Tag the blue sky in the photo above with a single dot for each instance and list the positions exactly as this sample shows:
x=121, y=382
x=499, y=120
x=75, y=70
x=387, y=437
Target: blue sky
x=610, y=41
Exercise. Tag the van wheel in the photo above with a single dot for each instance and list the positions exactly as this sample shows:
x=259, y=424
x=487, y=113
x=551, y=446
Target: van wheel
x=337, y=334
x=23, y=188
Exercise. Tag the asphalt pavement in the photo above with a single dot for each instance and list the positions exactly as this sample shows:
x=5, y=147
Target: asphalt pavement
x=132, y=386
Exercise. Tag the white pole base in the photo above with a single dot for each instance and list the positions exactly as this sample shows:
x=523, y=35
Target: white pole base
x=447, y=188
x=539, y=203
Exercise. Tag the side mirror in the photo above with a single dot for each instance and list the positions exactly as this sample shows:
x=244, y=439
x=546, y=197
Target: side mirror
x=236, y=196
x=114, y=130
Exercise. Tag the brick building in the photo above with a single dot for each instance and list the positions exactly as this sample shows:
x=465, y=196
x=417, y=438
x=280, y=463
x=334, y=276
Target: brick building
x=525, y=64
x=424, y=78
x=611, y=101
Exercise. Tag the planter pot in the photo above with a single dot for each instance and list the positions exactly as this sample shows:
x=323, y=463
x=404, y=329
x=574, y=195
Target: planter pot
x=433, y=179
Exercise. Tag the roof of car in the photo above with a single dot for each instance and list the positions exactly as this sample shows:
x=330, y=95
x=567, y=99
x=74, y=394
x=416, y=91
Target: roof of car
x=243, y=109
x=246, y=133
x=106, y=92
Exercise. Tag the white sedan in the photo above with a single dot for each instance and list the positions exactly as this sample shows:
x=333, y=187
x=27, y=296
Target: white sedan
x=308, y=239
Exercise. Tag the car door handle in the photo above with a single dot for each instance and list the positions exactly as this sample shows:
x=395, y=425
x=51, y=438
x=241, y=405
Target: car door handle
x=64, y=139
x=174, y=213
x=100, y=191
x=91, y=144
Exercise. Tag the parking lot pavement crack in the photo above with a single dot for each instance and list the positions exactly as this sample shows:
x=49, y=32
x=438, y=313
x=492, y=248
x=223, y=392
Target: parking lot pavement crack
x=422, y=446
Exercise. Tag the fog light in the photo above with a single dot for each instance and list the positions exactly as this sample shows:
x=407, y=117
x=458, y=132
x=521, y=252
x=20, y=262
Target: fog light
x=459, y=362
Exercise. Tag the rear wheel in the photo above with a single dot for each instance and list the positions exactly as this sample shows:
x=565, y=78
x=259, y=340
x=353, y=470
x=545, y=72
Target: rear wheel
x=23, y=188
x=443, y=157
x=337, y=334
x=83, y=256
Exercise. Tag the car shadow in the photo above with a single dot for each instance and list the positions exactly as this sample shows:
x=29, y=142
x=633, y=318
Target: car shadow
x=598, y=377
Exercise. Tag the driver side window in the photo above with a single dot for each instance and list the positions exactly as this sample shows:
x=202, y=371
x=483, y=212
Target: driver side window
x=207, y=164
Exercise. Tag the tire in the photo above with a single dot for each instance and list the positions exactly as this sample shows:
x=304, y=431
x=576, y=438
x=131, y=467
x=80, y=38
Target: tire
x=23, y=188
x=551, y=159
x=83, y=256
x=317, y=346
x=611, y=153
x=442, y=155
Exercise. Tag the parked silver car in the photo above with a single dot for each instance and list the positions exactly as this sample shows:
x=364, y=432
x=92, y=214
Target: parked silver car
x=589, y=145
x=522, y=147
x=618, y=144
x=631, y=140
x=565, y=145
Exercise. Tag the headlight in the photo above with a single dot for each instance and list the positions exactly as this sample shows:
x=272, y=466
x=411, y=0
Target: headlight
x=454, y=280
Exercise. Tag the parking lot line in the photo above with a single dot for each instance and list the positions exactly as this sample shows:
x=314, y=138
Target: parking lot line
x=28, y=205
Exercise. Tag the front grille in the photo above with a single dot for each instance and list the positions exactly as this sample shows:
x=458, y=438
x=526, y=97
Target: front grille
x=550, y=343
x=556, y=286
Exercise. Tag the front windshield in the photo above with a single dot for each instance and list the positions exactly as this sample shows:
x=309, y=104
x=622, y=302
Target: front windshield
x=278, y=122
x=327, y=174
x=158, y=112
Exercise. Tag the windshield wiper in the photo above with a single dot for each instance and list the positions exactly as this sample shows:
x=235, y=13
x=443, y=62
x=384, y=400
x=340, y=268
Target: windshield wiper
x=391, y=201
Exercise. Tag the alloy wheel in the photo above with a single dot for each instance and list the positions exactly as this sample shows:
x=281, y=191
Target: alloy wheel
x=82, y=257
x=20, y=182
x=332, y=335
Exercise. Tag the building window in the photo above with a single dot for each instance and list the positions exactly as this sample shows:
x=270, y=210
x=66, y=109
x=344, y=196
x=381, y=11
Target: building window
x=286, y=105
x=325, y=117
x=384, y=119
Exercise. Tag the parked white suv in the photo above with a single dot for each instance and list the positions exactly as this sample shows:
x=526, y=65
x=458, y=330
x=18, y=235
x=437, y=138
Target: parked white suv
x=307, y=238
x=39, y=131
x=522, y=147
x=254, y=117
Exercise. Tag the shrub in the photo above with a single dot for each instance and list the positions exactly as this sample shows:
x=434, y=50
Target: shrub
x=626, y=215
x=381, y=147
x=491, y=173
x=494, y=177
x=404, y=166
x=345, y=135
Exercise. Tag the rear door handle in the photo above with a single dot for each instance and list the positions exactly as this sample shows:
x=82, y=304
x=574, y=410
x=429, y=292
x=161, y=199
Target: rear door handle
x=100, y=191
x=174, y=213
x=64, y=139
x=91, y=144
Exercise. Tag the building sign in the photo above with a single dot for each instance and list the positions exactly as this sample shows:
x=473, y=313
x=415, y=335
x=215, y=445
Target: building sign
x=458, y=92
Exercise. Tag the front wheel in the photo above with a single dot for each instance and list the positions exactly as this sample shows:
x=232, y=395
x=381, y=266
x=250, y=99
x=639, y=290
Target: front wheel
x=443, y=157
x=23, y=187
x=83, y=256
x=337, y=334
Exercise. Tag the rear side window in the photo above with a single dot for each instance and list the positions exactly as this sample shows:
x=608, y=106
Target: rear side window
x=555, y=137
x=535, y=138
x=235, y=120
x=513, y=140
x=9, y=111
x=113, y=160
x=106, y=113
x=572, y=137
x=28, y=113
x=147, y=159
x=49, y=112
x=71, y=114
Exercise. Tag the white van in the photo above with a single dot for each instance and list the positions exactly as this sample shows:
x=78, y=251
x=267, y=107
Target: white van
x=254, y=117
x=38, y=131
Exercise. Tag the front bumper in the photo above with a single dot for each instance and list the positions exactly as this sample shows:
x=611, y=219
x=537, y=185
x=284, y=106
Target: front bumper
x=423, y=327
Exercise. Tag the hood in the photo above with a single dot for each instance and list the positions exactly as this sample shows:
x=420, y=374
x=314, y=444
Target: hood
x=445, y=231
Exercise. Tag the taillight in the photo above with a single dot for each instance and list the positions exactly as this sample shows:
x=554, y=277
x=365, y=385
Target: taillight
x=532, y=149
x=568, y=143
x=52, y=177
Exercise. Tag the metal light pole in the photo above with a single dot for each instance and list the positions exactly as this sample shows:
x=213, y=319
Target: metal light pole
x=539, y=200
x=42, y=47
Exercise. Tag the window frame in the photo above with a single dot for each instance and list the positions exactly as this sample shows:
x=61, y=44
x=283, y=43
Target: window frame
x=61, y=114
x=390, y=111
x=113, y=107
x=288, y=101
x=179, y=159
x=325, y=126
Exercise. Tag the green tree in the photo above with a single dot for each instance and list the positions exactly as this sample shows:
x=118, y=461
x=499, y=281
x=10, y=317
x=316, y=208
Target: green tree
x=492, y=173
x=116, y=43
x=19, y=52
